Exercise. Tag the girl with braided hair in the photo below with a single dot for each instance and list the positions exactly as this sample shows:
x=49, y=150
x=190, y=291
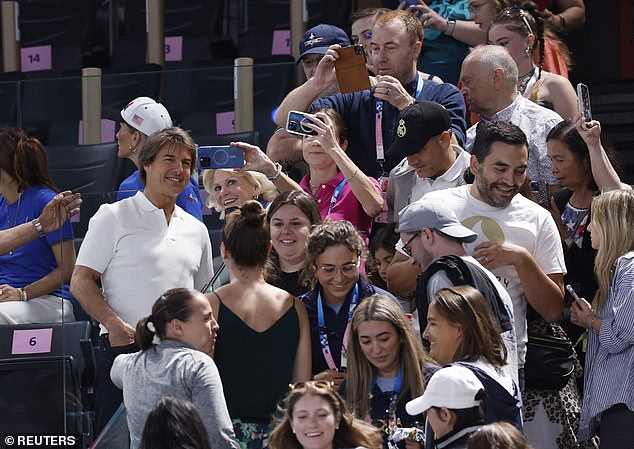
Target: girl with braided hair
x=521, y=31
x=178, y=364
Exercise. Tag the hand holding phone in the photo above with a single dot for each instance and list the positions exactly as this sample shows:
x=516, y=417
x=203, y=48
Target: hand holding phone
x=296, y=121
x=572, y=292
x=350, y=69
x=583, y=103
x=219, y=157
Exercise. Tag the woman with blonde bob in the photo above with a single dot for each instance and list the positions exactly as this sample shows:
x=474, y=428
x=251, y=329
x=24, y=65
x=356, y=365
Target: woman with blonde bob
x=259, y=179
x=229, y=189
x=609, y=368
x=386, y=363
x=316, y=408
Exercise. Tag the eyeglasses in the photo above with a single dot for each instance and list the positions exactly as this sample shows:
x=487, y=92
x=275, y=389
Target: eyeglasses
x=350, y=269
x=312, y=383
x=473, y=7
x=516, y=10
x=406, y=249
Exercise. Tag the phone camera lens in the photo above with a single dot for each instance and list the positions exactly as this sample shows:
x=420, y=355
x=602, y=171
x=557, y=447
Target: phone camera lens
x=205, y=162
x=292, y=126
x=221, y=158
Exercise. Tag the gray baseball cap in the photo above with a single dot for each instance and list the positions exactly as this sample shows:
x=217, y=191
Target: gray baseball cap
x=435, y=214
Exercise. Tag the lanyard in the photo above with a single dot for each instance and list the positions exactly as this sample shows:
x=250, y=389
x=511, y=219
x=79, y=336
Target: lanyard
x=378, y=125
x=334, y=196
x=323, y=336
x=391, y=410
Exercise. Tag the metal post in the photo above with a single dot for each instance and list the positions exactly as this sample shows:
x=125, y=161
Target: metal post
x=298, y=27
x=10, y=37
x=91, y=104
x=243, y=94
x=155, y=32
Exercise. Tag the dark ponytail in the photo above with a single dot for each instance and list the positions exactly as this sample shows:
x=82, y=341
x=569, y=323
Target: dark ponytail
x=246, y=236
x=174, y=304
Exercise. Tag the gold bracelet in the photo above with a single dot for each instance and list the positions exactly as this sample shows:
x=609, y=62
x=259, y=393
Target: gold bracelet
x=24, y=296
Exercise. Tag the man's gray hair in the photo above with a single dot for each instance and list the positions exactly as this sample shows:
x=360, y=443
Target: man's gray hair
x=493, y=57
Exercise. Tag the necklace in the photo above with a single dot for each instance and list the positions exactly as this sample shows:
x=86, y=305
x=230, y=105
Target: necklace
x=15, y=217
x=313, y=187
x=523, y=81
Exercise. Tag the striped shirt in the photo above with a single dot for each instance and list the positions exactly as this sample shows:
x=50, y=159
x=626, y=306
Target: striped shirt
x=609, y=376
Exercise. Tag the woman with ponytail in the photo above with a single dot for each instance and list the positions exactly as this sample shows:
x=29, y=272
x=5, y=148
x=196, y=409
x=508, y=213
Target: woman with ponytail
x=33, y=277
x=264, y=340
x=176, y=343
x=521, y=31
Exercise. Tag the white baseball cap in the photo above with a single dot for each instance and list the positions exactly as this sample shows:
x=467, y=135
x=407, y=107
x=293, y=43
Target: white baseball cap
x=146, y=115
x=454, y=387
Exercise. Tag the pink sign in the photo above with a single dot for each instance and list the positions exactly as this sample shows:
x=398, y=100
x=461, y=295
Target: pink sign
x=174, y=48
x=32, y=341
x=36, y=58
x=225, y=122
x=281, y=42
x=107, y=131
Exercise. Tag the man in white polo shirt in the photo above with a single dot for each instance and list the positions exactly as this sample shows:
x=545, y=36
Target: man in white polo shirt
x=140, y=247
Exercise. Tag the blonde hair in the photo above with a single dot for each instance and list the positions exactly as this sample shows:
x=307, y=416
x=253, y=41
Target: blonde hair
x=361, y=371
x=263, y=187
x=611, y=215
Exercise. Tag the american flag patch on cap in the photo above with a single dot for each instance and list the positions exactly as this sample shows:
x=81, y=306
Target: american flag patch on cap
x=137, y=120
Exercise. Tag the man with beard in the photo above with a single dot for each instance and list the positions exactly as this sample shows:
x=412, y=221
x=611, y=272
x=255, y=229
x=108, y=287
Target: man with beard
x=517, y=239
x=371, y=115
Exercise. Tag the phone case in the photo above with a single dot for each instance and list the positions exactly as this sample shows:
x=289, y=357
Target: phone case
x=352, y=75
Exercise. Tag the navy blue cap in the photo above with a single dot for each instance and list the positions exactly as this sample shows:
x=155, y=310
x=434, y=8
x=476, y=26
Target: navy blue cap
x=319, y=38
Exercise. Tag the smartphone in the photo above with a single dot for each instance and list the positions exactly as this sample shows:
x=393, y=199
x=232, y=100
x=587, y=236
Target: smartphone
x=583, y=102
x=572, y=292
x=295, y=123
x=220, y=157
x=350, y=69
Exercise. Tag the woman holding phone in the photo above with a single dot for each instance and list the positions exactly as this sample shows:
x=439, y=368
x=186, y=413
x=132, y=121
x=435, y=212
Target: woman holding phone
x=259, y=178
x=342, y=191
x=609, y=368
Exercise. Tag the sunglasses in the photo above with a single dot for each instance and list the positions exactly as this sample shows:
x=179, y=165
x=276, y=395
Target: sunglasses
x=312, y=383
x=517, y=11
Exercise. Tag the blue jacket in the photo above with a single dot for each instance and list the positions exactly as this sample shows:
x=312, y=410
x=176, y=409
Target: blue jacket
x=358, y=111
x=189, y=200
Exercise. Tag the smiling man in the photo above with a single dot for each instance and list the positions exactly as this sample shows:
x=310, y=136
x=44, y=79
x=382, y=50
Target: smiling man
x=140, y=247
x=517, y=240
x=371, y=115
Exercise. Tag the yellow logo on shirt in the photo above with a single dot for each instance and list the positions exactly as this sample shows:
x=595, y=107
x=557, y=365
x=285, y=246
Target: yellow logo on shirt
x=401, y=130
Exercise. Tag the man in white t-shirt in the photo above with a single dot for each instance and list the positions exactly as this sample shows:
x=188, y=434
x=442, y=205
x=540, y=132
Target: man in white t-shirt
x=517, y=239
x=432, y=231
x=140, y=247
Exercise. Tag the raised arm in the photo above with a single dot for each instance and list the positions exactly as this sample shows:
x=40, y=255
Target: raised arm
x=367, y=193
x=602, y=170
x=465, y=31
x=300, y=98
x=63, y=206
x=256, y=160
